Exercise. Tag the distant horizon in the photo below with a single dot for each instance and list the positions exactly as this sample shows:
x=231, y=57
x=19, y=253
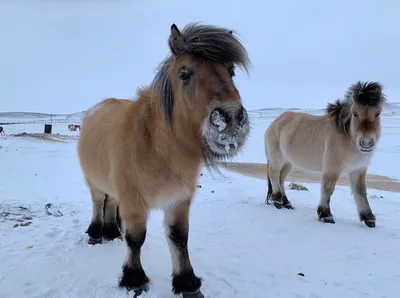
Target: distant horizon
x=249, y=110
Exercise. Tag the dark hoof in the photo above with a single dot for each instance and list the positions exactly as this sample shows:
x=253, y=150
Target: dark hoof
x=370, y=223
x=368, y=218
x=286, y=203
x=111, y=232
x=93, y=241
x=328, y=220
x=186, y=283
x=139, y=291
x=196, y=294
x=325, y=215
x=134, y=279
x=278, y=205
x=288, y=206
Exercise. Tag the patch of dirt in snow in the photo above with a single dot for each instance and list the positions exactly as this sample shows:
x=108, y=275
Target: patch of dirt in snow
x=20, y=215
x=258, y=170
x=47, y=137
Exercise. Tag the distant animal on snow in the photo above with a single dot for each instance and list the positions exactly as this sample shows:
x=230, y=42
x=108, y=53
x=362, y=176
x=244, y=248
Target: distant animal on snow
x=148, y=152
x=343, y=140
x=74, y=127
x=2, y=131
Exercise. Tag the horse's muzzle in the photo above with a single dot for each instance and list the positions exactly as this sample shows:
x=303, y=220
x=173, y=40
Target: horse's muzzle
x=227, y=128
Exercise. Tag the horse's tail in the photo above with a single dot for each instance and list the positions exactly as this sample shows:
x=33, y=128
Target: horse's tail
x=119, y=221
x=269, y=191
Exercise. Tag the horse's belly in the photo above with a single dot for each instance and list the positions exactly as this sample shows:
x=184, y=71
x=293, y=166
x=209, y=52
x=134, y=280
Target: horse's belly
x=308, y=160
x=169, y=199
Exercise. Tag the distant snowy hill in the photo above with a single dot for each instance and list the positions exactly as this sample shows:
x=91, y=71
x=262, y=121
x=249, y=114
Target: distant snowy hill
x=29, y=117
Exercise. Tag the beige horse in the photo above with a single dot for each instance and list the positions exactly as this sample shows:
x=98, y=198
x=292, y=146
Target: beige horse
x=342, y=140
x=147, y=153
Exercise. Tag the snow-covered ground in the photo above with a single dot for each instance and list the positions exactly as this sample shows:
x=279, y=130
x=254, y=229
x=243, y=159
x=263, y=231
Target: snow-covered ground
x=239, y=245
x=64, y=56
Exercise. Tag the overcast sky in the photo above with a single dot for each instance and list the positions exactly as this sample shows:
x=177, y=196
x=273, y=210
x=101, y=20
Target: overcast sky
x=64, y=57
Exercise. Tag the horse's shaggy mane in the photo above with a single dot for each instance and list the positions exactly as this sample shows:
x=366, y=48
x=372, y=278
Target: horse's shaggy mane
x=362, y=93
x=206, y=41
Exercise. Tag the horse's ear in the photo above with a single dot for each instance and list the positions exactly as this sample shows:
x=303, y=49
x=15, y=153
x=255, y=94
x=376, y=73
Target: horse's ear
x=175, y=40
x=231, y=32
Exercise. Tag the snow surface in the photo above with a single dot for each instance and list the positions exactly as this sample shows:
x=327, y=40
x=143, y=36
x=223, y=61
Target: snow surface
x=239, y=245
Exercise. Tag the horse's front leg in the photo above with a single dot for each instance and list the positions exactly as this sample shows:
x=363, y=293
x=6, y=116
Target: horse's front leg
x=328, y=184
x=359, y=190
x=330, y=175
x=134, y=216
x=176, y=221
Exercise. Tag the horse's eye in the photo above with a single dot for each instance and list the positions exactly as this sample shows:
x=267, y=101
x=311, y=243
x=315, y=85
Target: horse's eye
x=185, y=75
x=377, y=114
x=232, y=72
x=355, y=114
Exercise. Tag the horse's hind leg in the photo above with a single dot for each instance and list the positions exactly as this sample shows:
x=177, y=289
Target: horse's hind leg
x=184, y=281
x=110, y=228
x=287, y=167
x=134, y=213
x=95, y=229
x=274, y=193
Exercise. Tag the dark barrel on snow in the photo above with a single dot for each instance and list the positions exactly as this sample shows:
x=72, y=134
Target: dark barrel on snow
x=47, y=128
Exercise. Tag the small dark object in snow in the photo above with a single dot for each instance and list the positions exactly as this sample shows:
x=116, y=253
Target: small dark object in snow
x=301, y=274
x=51, y=210
x=25, y=224
x=375, y=197
x=212, y=191
x=198, y=186
x=297, y=186
x=201, y=174
x=16, y=225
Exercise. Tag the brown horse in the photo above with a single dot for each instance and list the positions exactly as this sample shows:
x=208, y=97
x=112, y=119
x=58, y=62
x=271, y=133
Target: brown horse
x=147, y=153
x=2, y=131
x=341, y=141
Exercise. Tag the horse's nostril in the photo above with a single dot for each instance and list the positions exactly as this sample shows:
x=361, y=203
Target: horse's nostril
x=362, y=143
x=241, y=116
x=371, y=143
x=219, y=118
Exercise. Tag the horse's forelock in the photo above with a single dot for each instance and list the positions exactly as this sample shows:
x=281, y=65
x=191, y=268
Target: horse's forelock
x=213, y=43
x=366, y=93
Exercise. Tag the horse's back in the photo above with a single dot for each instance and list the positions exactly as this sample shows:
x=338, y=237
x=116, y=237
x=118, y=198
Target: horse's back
x=285, y=123
x=298, y=138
